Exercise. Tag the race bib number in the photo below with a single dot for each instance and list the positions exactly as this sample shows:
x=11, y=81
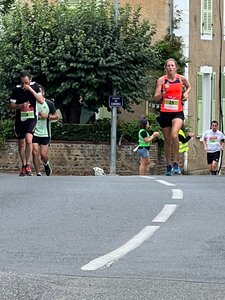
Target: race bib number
x=213, y=141
x=27, y=114
x=171, y=104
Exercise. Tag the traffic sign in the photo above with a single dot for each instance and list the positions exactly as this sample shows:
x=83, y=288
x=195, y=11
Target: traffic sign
x=115, y=101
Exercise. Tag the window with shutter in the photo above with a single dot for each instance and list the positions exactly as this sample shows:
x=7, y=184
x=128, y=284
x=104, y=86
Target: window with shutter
x=213, y=96
x=206, y=24
x=199, y=104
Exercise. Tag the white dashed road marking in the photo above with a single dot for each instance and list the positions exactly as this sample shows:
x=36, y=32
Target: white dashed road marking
x=165, y=182
x=110, y=258
x=177, y=194
x=165, y=213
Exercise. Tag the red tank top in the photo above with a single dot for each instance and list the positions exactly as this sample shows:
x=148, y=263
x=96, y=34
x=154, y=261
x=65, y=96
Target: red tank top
x=172, y=99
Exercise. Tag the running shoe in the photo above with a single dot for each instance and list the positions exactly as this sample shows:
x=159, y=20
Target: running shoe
x=28, y=170
x=169, y=170
x=38, y=174
x=22, y=171
x=48, y=169
x=176, y=169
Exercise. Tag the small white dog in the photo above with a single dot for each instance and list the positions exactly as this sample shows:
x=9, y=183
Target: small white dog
x=99, y=171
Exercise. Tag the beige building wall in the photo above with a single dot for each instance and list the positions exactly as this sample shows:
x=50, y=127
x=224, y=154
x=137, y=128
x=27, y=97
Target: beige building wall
x=155, y=11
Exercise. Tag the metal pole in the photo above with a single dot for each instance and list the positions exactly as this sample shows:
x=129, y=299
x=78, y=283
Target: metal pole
x=114, y=111
x=113, y=141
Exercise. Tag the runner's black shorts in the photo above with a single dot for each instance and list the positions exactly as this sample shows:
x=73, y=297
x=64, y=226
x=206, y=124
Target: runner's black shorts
x=45, y=140
x=24, y=127
x=165, y=118
x=215, y=156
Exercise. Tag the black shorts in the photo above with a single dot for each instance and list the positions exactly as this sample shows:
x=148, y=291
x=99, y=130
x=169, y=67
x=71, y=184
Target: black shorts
x=41, y=140
x=165, y=118
x=215, y=156
x=24, y=127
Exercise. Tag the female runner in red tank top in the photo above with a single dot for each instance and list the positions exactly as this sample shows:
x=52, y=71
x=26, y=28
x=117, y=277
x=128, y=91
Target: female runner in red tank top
x=172, y=89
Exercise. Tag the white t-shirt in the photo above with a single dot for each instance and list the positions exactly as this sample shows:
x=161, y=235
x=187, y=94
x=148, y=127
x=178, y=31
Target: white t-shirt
x=213, y=140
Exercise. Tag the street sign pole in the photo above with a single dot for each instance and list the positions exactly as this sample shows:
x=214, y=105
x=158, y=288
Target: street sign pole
x=113, y=141
x=114, y=112
x=115, y=101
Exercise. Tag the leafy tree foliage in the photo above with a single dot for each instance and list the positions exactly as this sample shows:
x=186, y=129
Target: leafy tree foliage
x=78, y=52
x=5, y=6
x=171, y=46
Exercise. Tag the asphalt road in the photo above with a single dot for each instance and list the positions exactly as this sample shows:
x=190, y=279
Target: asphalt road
x=112, y=237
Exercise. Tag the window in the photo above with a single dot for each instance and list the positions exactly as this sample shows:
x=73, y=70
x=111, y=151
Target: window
x=206, y=20
x=205, y=99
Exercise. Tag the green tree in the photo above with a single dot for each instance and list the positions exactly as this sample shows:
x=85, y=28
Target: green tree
x=171, y=46
x=77, y=52
x=5, y=6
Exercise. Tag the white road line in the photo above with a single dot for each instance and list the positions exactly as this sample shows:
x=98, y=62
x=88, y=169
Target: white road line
x=165, y=182
x=165, y=213
x=177, y=194
x=108, y=259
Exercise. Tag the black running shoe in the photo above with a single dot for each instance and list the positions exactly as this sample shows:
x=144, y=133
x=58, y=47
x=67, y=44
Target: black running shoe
x=48, y=169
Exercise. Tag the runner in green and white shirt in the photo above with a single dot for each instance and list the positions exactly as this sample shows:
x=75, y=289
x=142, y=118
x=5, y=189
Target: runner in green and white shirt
x=42, y=134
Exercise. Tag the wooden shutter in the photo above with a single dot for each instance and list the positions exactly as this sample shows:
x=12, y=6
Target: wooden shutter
x=199, y=104
x=213, y=96
x=207, y=17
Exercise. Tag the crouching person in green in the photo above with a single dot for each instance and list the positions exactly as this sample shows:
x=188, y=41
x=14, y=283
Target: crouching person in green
x=144, y=142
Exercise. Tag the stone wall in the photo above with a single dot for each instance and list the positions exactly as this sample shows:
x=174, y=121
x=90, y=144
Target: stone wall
x=79, y=158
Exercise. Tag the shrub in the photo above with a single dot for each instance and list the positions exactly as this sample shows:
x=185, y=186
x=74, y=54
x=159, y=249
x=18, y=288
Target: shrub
x=98, y=131
x=6, y=131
